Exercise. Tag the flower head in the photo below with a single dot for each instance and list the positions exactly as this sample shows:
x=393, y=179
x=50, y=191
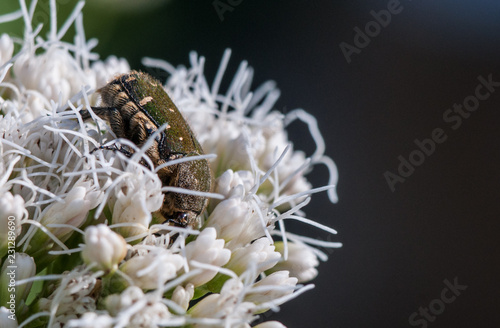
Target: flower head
x=64, y=180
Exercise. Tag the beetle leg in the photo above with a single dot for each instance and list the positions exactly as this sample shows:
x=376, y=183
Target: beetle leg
x=102, y=112
x=114, y=118
x=109, y=114
x=122, y=150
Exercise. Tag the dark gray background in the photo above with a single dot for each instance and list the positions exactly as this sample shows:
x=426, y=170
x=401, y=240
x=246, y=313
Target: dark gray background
x=442, y=222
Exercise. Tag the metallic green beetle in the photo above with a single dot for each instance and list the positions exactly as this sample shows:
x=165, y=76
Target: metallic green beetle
x=136, y=105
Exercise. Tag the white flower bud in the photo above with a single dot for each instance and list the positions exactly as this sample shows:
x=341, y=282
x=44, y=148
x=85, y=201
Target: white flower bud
x=205, y=308
x=207, y=249
x=108, y=69
x=151, y=270
x=6, y=49
x=124, y=308
x=12, y=211
x=7, y=318
x=231, y=289
x=279, y=283
x=259, y=256
x=161, y=240
x=226, y=305
x=103, y=247
x=270, y=324
x=301, y=262
x=182, y=295
x=116, y=302
x=20, y=268
x=230, y=143
x=236, y=222
x=276, y=142
x=73, y=210
x=92, y=320
x=74, y=295
x=234, y=184
x=137, y=197
x=53, y=73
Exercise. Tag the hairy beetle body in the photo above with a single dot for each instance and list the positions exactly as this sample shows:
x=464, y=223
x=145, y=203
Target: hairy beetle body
x=136, y=105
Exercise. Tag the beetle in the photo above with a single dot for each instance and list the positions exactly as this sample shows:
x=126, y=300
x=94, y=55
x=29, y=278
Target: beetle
x=136, y=105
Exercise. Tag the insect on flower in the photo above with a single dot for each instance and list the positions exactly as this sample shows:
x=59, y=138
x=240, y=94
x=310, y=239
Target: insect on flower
x=136, y=105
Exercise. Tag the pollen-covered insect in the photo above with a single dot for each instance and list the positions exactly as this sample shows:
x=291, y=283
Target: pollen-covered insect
x=136, y=105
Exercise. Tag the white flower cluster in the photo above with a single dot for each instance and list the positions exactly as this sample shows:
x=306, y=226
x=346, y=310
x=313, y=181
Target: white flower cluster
x=77, y=217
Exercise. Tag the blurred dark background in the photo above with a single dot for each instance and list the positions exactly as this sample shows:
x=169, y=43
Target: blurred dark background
x=441, y=223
